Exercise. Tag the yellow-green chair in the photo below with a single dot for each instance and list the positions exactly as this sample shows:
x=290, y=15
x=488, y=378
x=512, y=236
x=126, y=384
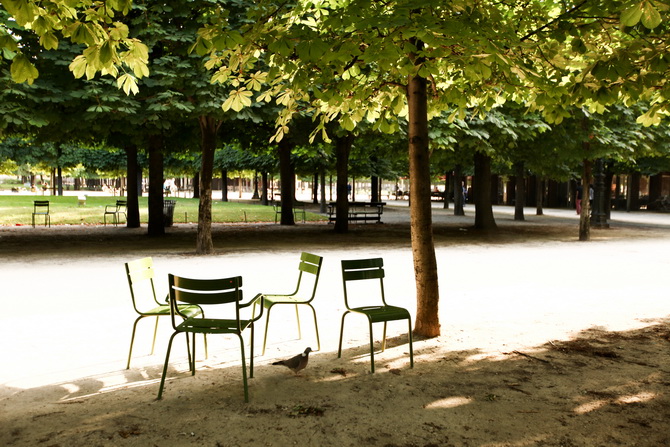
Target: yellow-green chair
x=140, y=274
x=372, y=269
x=310, y=266
x=226, y=293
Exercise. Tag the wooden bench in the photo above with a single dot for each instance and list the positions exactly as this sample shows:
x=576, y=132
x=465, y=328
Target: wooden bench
x=359, y=211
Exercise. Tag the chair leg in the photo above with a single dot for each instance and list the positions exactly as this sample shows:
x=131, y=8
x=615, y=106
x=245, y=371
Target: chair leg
x=339, y=349
x=267, y=324
x=316, y=327
x=153, y=343
x=411, y=349
x=244, y=370
x=384, y=339
x=251, y=358
x=165, y=366
x=132, y=340
x=192, y=364
x=372, y=349
x=297, y=316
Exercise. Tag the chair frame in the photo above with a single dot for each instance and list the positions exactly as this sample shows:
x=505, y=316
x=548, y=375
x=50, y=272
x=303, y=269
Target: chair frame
x=115, y=211
x=311, y=264
x=203, y=292
x=41, y=204
x=298, y=209
x=143, y=270
x=369, y=269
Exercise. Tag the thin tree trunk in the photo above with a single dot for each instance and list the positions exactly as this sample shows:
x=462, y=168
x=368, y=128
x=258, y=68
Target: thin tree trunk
x=520, y=190
x=374, y=189
x=585, y=215
x=322, y=203
x=264, y=187
x=459, y=198
x=132, y=208
x=484, y=219
x=427, y=322
x=208, y=130
x=342, y=150
x=224, y=185
x=539, y=197
x=156, y=225
x=447, y=184
x=196, y=185
x=286, y=173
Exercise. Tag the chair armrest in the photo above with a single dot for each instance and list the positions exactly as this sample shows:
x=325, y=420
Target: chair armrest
x=258, y=299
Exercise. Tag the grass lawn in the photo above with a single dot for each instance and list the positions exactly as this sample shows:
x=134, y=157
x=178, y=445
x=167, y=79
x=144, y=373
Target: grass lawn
x=65, y=210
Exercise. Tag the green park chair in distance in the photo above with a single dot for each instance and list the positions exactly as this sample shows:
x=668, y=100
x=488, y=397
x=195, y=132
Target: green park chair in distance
x=140, y=274
x=41, y=208
x=372, y=269
x=207, y=292
x=309, y=265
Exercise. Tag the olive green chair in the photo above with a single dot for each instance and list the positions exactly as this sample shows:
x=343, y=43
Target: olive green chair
x=226, y=294
x=373, y=270
x=305, y=291
x=140, y=274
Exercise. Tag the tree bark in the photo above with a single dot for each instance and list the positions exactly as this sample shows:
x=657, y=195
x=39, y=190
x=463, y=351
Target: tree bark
x=519, y=190
x=208, y=129
x=446, y=191
x=286, y=173
x=132, y=208
x=374, y=189
x=484, y=219
x=196, y=185
x=342, y=150
x=427, y=322
x=156, y=225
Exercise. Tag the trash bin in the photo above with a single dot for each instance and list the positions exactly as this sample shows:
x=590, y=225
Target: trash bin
x=168, y=212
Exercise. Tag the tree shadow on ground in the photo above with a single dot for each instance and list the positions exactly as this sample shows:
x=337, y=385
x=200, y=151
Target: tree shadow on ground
x=598, y=388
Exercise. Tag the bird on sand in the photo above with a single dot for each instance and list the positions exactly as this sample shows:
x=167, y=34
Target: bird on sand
x=296, y=363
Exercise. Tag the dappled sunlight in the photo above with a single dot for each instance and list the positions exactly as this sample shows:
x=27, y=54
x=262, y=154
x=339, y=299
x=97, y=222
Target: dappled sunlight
x=449, y=402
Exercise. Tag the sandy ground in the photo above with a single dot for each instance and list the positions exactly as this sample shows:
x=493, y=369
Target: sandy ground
x=545, y=341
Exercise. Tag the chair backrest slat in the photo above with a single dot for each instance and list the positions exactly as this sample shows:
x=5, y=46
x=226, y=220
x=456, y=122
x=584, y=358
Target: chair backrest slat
x=362, y=269
x=140, y=274
x=205, y=291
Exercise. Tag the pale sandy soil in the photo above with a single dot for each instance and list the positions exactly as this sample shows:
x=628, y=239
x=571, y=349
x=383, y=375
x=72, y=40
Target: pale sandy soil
x=545, y=341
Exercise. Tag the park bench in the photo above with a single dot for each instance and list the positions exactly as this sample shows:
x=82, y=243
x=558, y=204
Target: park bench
x=359, y=211
x=115, y=211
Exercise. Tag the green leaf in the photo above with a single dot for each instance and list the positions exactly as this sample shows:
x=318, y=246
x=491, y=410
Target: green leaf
x=632, y=15
x=651, y=18
x=23, y=70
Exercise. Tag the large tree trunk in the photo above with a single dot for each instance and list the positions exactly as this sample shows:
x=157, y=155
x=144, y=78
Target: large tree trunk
x=208, y=129
x=585, y=215
x=421, y=225
x=374, y=189
x=484, y=219
x=156, y=225
x=342, y=150
x=286, y=173
x=132, y=208
x=196, y=184
x=519, y=190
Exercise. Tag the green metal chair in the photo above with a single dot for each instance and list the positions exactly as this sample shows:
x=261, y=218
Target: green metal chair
x=372, y=269
x=140, y=274
x=115, y=211
x=41, y=208
x=310, y=265
x=205, y=292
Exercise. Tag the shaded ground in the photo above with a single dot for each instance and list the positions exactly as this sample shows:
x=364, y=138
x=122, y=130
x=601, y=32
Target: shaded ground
x=545, y=341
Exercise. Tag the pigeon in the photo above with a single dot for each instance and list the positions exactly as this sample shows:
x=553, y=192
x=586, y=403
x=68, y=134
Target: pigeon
x=296, y=363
